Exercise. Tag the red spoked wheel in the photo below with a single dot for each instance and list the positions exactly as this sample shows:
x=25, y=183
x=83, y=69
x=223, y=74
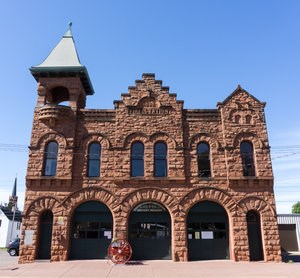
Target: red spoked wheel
x=119, y=251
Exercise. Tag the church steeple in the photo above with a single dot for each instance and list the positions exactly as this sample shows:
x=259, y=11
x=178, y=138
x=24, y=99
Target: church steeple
x=63, y=61
x=13, y=199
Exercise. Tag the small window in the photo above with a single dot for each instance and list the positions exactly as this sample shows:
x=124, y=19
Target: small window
x=237, y=119
x=137, y=159
x=203, y=160
x=0, y=222
x=160, y=159
x=94, y=155
x=247, y=159
x=50, y=159
x=248, y=119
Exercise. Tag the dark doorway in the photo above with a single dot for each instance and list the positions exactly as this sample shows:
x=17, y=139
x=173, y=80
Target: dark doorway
x=46, y=223
x=207, y=232
x=91, y=233
x=254, y=236
x=288, y=237
x=150, y=232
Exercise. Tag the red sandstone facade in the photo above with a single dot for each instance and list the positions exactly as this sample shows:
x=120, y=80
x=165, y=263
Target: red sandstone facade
x=148, y=113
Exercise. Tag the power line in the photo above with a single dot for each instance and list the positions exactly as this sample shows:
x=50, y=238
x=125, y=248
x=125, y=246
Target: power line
x=281, y=151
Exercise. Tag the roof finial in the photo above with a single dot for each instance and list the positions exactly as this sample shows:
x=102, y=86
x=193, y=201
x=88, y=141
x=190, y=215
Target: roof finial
x=68, y=34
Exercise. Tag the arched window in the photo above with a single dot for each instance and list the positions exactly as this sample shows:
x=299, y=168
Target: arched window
x=50, y=159
x=247, y=159
x=237, y=119
x=203, y=160
x=248, y=119
x=137, y=159
x=160, y=159
x=94, y=160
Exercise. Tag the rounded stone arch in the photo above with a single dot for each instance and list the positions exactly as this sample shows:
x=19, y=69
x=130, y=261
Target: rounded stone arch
x=149, y=194
x=94, y=137
x=163, y=137
x=255, y=203
x=52, y=136
x=135, y=136
x=57, y=94
x=232, y=113
x=208, y=194
x=247, y=136
x=203, y=137
x=92, y=194
x=43, y=203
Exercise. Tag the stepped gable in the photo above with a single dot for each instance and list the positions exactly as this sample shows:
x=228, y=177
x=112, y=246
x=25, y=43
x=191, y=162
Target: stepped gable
x=148, y=96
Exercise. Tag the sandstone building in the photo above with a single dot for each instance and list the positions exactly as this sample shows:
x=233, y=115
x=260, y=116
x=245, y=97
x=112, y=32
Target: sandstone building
x=179, y=184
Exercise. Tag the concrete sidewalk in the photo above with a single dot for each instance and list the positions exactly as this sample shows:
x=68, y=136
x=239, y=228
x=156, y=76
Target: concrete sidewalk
x=9, y=267
x=150, y=269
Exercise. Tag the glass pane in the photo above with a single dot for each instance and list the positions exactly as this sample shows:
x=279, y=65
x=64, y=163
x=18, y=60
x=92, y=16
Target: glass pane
x=160, y=168
x=137, y=168
x=194, y=226
x=160, y=160
x=203, y=160
x=203, y=149
x=137, y=149
x=247, y=159
x=208, y=226
x=94, y=151
x=50, y=167
x=92, y=234
x=50, y=159
x=93, y=225
x=80, y=225
x=51, y=150
x=81, y=234
x=160, y=150
x=94, y=168
x=106, y=225
x=220, y=235
x=137, y=159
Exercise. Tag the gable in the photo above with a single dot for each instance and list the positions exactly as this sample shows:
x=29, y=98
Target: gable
x=240, y=95
x=149, y=97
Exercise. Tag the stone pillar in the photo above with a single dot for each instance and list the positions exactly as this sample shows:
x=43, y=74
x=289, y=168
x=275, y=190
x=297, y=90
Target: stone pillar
x=179, y=240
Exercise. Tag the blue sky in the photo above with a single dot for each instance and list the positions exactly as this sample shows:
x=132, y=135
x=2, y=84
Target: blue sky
x=201, y=49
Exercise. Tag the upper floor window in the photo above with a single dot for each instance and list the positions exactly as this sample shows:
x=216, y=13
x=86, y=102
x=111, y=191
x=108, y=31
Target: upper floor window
x=248, y=119
x=137, y=159
x=160, y=159
x=203, y=160
x=50, y=159
x=94, y=155
x=247, y=158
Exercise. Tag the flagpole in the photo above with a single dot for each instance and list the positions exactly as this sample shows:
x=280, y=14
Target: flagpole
x=13, y=221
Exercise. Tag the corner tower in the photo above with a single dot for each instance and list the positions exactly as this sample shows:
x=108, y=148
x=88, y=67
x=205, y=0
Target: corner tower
x=63, y=84
x=61, y=77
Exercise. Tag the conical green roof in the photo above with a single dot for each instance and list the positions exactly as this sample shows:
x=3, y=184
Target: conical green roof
x=63, y=61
